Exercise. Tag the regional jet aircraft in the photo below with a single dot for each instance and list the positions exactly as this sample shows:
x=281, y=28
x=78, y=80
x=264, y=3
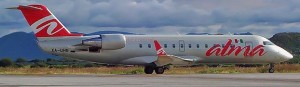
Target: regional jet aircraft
x=155, y=52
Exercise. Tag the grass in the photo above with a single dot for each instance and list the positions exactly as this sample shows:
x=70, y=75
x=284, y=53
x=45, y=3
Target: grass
x=93, y=70
x=280, y=68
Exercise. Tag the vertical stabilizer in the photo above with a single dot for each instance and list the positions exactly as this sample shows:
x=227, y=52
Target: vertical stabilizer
x=43, y=22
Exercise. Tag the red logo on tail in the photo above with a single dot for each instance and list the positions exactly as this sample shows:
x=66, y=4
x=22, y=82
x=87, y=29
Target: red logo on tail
x=48, y=24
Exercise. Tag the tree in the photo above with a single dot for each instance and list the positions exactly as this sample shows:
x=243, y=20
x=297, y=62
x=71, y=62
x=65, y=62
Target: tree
x=36, y=60
x=39, y=64
x=50, y=60
x=89, y=65
x=6, y=62
x=21, y=60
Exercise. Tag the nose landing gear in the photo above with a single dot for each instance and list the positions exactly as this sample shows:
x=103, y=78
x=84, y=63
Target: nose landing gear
x=271, y=68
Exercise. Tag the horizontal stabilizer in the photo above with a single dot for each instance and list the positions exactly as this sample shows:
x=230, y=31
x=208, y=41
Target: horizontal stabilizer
x=14, y=8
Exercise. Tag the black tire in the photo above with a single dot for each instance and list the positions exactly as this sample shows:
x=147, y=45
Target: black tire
x=271, y=70
x=159, y=70
x=148, y=69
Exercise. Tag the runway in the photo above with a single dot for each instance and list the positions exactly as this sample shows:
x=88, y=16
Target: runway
x=194, y=80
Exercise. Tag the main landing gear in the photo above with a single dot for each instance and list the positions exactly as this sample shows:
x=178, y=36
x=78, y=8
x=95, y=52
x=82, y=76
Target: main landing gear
x=157, y=69
x=271, y=68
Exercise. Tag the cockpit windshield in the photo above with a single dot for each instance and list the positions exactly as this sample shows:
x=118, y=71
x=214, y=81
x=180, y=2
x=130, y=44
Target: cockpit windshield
x=268, y=43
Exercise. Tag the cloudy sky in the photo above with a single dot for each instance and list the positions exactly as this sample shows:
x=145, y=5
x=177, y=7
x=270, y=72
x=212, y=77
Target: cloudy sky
x=261, y=17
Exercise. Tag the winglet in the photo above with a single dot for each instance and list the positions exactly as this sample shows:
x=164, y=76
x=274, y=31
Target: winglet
x=159, y=50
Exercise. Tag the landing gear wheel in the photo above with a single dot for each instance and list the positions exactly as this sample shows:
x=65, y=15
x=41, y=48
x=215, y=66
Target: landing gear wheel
x=159, y=70
x=149, y=69
x=271, y=68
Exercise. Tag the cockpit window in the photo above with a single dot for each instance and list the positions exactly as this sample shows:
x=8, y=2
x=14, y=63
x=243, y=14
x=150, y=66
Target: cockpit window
x=267, y=43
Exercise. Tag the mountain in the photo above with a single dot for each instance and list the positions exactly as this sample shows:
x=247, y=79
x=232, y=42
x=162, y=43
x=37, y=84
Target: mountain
x=199, y=34
x=23, y=45
x=289, y=41
x=111, y=32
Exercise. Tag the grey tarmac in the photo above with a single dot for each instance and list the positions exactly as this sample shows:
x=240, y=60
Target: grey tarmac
x=188, y=80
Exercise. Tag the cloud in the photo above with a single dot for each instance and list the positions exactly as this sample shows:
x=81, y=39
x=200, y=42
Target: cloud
x=262, y=17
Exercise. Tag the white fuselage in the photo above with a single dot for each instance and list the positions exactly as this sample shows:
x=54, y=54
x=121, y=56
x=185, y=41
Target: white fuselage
x=139, y=49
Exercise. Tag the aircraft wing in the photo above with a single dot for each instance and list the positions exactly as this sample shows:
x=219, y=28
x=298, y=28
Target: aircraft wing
x=164, y=59
x=174, y=60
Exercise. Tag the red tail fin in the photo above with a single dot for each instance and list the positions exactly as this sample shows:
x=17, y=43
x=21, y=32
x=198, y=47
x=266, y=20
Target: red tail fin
x=159, y=50
x=43, y=22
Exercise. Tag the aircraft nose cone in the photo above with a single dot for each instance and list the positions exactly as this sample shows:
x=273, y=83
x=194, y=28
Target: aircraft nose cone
x=286, y=55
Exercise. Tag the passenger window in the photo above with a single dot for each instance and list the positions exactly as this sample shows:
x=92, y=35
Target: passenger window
x=165, y=45
x=141, y=46
x=198, y=46
x=232, y=45
x=267, y=43
x=173, y=45
x=149, y=45
x=190, y=45
x=216, y=45
x=181, y=45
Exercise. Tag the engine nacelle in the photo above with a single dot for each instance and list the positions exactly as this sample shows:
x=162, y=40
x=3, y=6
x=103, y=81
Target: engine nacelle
x=107, y=41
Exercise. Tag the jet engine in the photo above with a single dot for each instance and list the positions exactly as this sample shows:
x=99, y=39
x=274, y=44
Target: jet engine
x=107, y=42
